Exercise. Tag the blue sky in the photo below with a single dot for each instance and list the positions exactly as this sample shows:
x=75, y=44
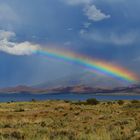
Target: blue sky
x=103, y=29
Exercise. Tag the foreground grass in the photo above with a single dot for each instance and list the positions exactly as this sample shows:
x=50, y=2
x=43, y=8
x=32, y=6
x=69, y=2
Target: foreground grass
x=61, y=120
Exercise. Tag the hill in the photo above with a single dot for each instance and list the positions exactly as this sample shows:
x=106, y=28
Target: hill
x=79, y=89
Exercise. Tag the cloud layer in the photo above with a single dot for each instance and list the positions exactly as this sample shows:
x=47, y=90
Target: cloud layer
x=108, y=37
x=95, y=14
x=90, y=10
x=13, y=48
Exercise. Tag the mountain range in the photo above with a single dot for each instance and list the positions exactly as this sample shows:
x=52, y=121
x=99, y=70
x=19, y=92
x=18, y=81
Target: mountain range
x=78, y=83
x=78, y=89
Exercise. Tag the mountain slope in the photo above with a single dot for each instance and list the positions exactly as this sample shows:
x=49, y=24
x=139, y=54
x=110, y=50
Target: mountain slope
x=135, y=89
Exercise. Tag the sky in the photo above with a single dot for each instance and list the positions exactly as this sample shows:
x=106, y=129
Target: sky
x=104, y=29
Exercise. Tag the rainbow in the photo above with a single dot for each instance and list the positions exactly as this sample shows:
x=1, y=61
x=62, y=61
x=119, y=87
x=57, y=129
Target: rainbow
x=89, y=63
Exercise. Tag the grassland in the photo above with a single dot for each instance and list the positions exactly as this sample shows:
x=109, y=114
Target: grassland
x=63, y=120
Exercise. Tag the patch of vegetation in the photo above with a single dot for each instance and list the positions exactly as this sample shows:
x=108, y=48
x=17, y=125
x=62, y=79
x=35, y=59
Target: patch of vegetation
x=19, y=110
x=135, y=101
x=80, y=103
x=120, y=102
x=109, y=103
x=92, y=101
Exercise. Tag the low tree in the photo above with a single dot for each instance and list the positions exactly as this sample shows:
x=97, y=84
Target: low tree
x=92, y=101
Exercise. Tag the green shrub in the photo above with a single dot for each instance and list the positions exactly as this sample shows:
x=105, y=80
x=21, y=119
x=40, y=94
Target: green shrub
x=134, y=101
x=109, y=103
x=92, y=101
x=17, y=135
x=120, y=102
x=80, y=103
x=67, y=101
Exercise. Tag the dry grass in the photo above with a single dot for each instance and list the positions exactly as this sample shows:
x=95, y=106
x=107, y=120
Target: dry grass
x=60, y=120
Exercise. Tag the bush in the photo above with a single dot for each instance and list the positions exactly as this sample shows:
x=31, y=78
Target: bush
x=109, y=103
x=134, y=101
x=17, y=135
x=120, y=102
x=92, y=101
x=67, y=101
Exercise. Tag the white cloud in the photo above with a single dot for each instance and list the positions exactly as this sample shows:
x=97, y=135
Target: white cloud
x=110, y=37
x=89, y=9
x=95, y=14
x=14, y=48
x=6, y=35
x=87, y=24
x=83, y=32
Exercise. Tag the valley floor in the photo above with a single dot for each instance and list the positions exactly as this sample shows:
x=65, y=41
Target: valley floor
x=63, y=120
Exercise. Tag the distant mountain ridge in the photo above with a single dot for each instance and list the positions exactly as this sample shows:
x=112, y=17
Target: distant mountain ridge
x=78, y=89
x=84, y=82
